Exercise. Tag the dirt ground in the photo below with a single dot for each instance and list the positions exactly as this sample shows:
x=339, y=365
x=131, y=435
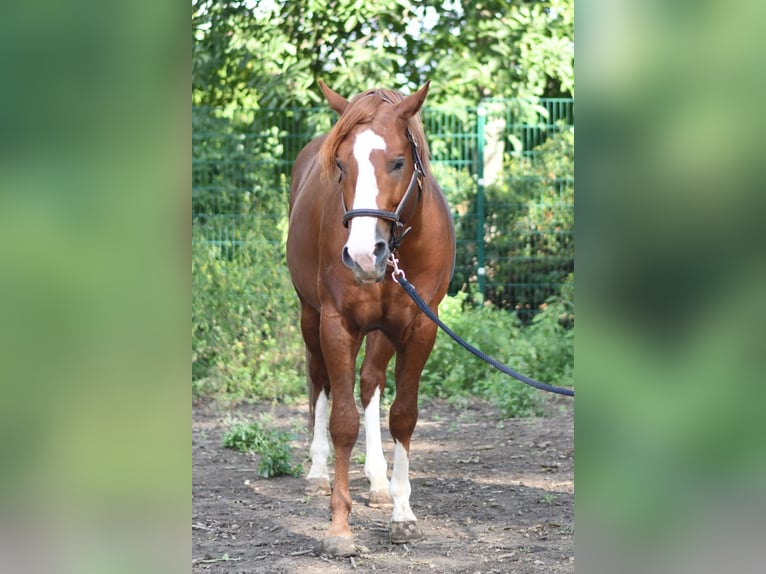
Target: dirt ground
x=491, y=495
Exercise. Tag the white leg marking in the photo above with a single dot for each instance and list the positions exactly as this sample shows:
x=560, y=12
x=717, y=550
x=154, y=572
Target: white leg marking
x=400, y=486
x=320, y=445
x=375, y=466
x=361, y=237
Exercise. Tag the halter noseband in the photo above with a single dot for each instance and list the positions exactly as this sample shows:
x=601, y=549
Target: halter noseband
x=398, y=230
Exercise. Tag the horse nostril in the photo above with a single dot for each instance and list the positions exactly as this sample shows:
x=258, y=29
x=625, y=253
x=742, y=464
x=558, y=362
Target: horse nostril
x=346, y=256
x=380, y=251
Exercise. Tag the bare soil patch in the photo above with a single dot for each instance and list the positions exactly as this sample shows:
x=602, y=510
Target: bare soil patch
x=491, y=495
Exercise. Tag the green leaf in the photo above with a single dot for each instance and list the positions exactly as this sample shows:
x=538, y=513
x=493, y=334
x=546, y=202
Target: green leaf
x=350, y=24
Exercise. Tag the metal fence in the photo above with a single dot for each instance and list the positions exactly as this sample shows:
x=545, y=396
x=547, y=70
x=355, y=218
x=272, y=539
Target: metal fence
x=506, y=166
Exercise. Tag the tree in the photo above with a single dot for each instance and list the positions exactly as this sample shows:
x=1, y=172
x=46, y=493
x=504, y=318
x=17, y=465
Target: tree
x=262, y=53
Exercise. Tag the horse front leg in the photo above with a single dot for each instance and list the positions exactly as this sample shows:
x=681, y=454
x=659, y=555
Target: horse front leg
x=403, y=417
x=341, y=347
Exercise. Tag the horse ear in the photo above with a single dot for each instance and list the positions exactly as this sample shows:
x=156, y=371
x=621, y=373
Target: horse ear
x=336, y=101
x=411, y=105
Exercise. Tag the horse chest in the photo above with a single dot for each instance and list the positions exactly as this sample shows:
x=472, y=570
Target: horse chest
x=376, y=312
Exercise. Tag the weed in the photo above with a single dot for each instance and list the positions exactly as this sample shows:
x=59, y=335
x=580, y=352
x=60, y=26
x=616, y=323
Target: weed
x=271, y=445
x=244, y=320
x=542, y=350
x=359, y=458
x=548, y=498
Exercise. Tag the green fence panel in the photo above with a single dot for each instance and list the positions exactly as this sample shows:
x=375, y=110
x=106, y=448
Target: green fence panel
x=506, y=167
x=526, y=202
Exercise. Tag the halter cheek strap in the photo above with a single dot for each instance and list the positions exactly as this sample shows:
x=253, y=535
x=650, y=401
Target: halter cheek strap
x=398, y=231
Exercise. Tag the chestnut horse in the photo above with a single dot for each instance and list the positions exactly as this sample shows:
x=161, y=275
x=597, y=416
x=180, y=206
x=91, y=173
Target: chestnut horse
x=375, y=159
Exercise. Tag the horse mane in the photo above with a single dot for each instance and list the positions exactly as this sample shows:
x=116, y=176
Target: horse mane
x=361, y=110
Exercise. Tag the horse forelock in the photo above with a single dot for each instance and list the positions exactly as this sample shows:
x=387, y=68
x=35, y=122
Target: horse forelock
x=361, y=110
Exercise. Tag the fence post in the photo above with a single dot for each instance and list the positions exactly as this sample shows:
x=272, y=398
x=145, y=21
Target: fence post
x=481, y=272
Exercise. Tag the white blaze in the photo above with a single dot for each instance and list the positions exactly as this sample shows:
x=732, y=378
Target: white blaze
x=400, y=486
x=320, y=445
x=361, y=237
x=375, y=466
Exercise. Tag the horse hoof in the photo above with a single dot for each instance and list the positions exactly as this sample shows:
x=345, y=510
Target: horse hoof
x=339, y=546
x=402, y=532
x=317, y=487
x=379, y=498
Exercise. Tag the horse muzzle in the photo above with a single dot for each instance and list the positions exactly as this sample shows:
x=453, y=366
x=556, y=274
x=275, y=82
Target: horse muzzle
x=367, y=267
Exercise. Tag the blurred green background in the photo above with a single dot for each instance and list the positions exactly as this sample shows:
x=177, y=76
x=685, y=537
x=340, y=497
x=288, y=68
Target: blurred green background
x=94, y=284
x=670, y=462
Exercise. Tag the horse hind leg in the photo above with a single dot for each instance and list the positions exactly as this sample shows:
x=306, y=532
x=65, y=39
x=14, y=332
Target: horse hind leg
x=373, y=380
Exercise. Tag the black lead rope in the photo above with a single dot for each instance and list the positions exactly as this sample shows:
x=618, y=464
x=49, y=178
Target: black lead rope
x=399, y=277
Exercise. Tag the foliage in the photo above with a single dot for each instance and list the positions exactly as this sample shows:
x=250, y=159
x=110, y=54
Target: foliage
x=236, y=151
x=543, y=351
x=550, y=338
x=528, y=229
x=497, y=48
x=245, y=339
x=271, y=54
x=273, y=447
x=458, y=185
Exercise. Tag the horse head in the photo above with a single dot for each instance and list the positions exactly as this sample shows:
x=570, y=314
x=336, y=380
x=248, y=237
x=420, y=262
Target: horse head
x=375, y=153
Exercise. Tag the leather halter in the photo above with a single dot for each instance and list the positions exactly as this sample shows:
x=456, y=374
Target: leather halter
x=398, y=231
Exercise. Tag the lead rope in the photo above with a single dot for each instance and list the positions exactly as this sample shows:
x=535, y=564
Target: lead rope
x=399, y=277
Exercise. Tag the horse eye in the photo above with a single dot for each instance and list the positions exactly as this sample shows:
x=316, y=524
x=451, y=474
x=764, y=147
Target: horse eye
x=398, y=164
x=340, y=165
